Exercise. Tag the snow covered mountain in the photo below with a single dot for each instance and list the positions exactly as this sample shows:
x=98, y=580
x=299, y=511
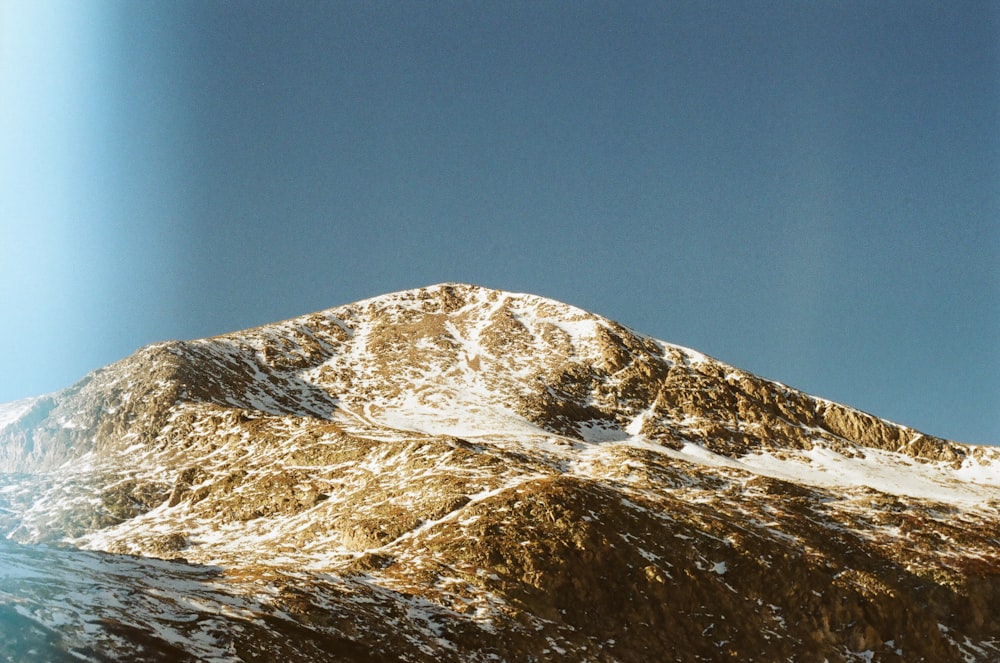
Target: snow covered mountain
x=462, y=474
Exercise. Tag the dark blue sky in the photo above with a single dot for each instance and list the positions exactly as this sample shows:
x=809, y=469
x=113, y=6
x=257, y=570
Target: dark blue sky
x=810, y=191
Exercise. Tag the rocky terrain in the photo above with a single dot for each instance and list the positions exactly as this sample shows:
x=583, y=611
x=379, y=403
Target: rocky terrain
x=461, y=474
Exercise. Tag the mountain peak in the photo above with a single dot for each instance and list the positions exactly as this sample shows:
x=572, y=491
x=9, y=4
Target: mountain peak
x=493, y=472
x=466, y=361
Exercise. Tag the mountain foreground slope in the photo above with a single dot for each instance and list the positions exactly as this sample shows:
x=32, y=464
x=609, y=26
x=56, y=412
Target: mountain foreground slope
x=463, y=474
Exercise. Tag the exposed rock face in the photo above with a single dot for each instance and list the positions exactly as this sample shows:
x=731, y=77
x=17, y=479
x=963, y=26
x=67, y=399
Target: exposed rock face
x=462, y=474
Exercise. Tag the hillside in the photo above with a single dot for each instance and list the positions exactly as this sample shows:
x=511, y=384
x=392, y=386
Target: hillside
x=462, y=474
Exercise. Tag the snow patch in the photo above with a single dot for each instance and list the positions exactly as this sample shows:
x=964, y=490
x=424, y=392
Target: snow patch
x=10, y=413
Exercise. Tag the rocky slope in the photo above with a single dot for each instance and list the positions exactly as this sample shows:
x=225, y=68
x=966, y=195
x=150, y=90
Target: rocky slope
x=461, y=474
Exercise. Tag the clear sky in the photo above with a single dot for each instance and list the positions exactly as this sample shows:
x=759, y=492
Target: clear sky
x=807, y=190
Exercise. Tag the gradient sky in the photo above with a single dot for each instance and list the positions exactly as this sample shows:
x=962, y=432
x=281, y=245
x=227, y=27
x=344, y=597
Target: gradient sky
x=807, y=190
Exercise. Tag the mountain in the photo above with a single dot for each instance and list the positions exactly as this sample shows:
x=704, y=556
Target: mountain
x=461, y=474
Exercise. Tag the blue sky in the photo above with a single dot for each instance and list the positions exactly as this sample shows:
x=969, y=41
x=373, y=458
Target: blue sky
x=810, y=191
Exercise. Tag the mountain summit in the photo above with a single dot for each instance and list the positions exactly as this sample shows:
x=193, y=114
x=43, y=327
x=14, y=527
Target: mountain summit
x=461, y=474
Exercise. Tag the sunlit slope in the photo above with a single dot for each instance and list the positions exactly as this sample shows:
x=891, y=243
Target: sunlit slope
x=504, y=476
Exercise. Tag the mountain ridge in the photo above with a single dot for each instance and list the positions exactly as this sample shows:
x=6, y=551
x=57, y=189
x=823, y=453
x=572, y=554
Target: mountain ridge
x=484, y=465
x=176, y=359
